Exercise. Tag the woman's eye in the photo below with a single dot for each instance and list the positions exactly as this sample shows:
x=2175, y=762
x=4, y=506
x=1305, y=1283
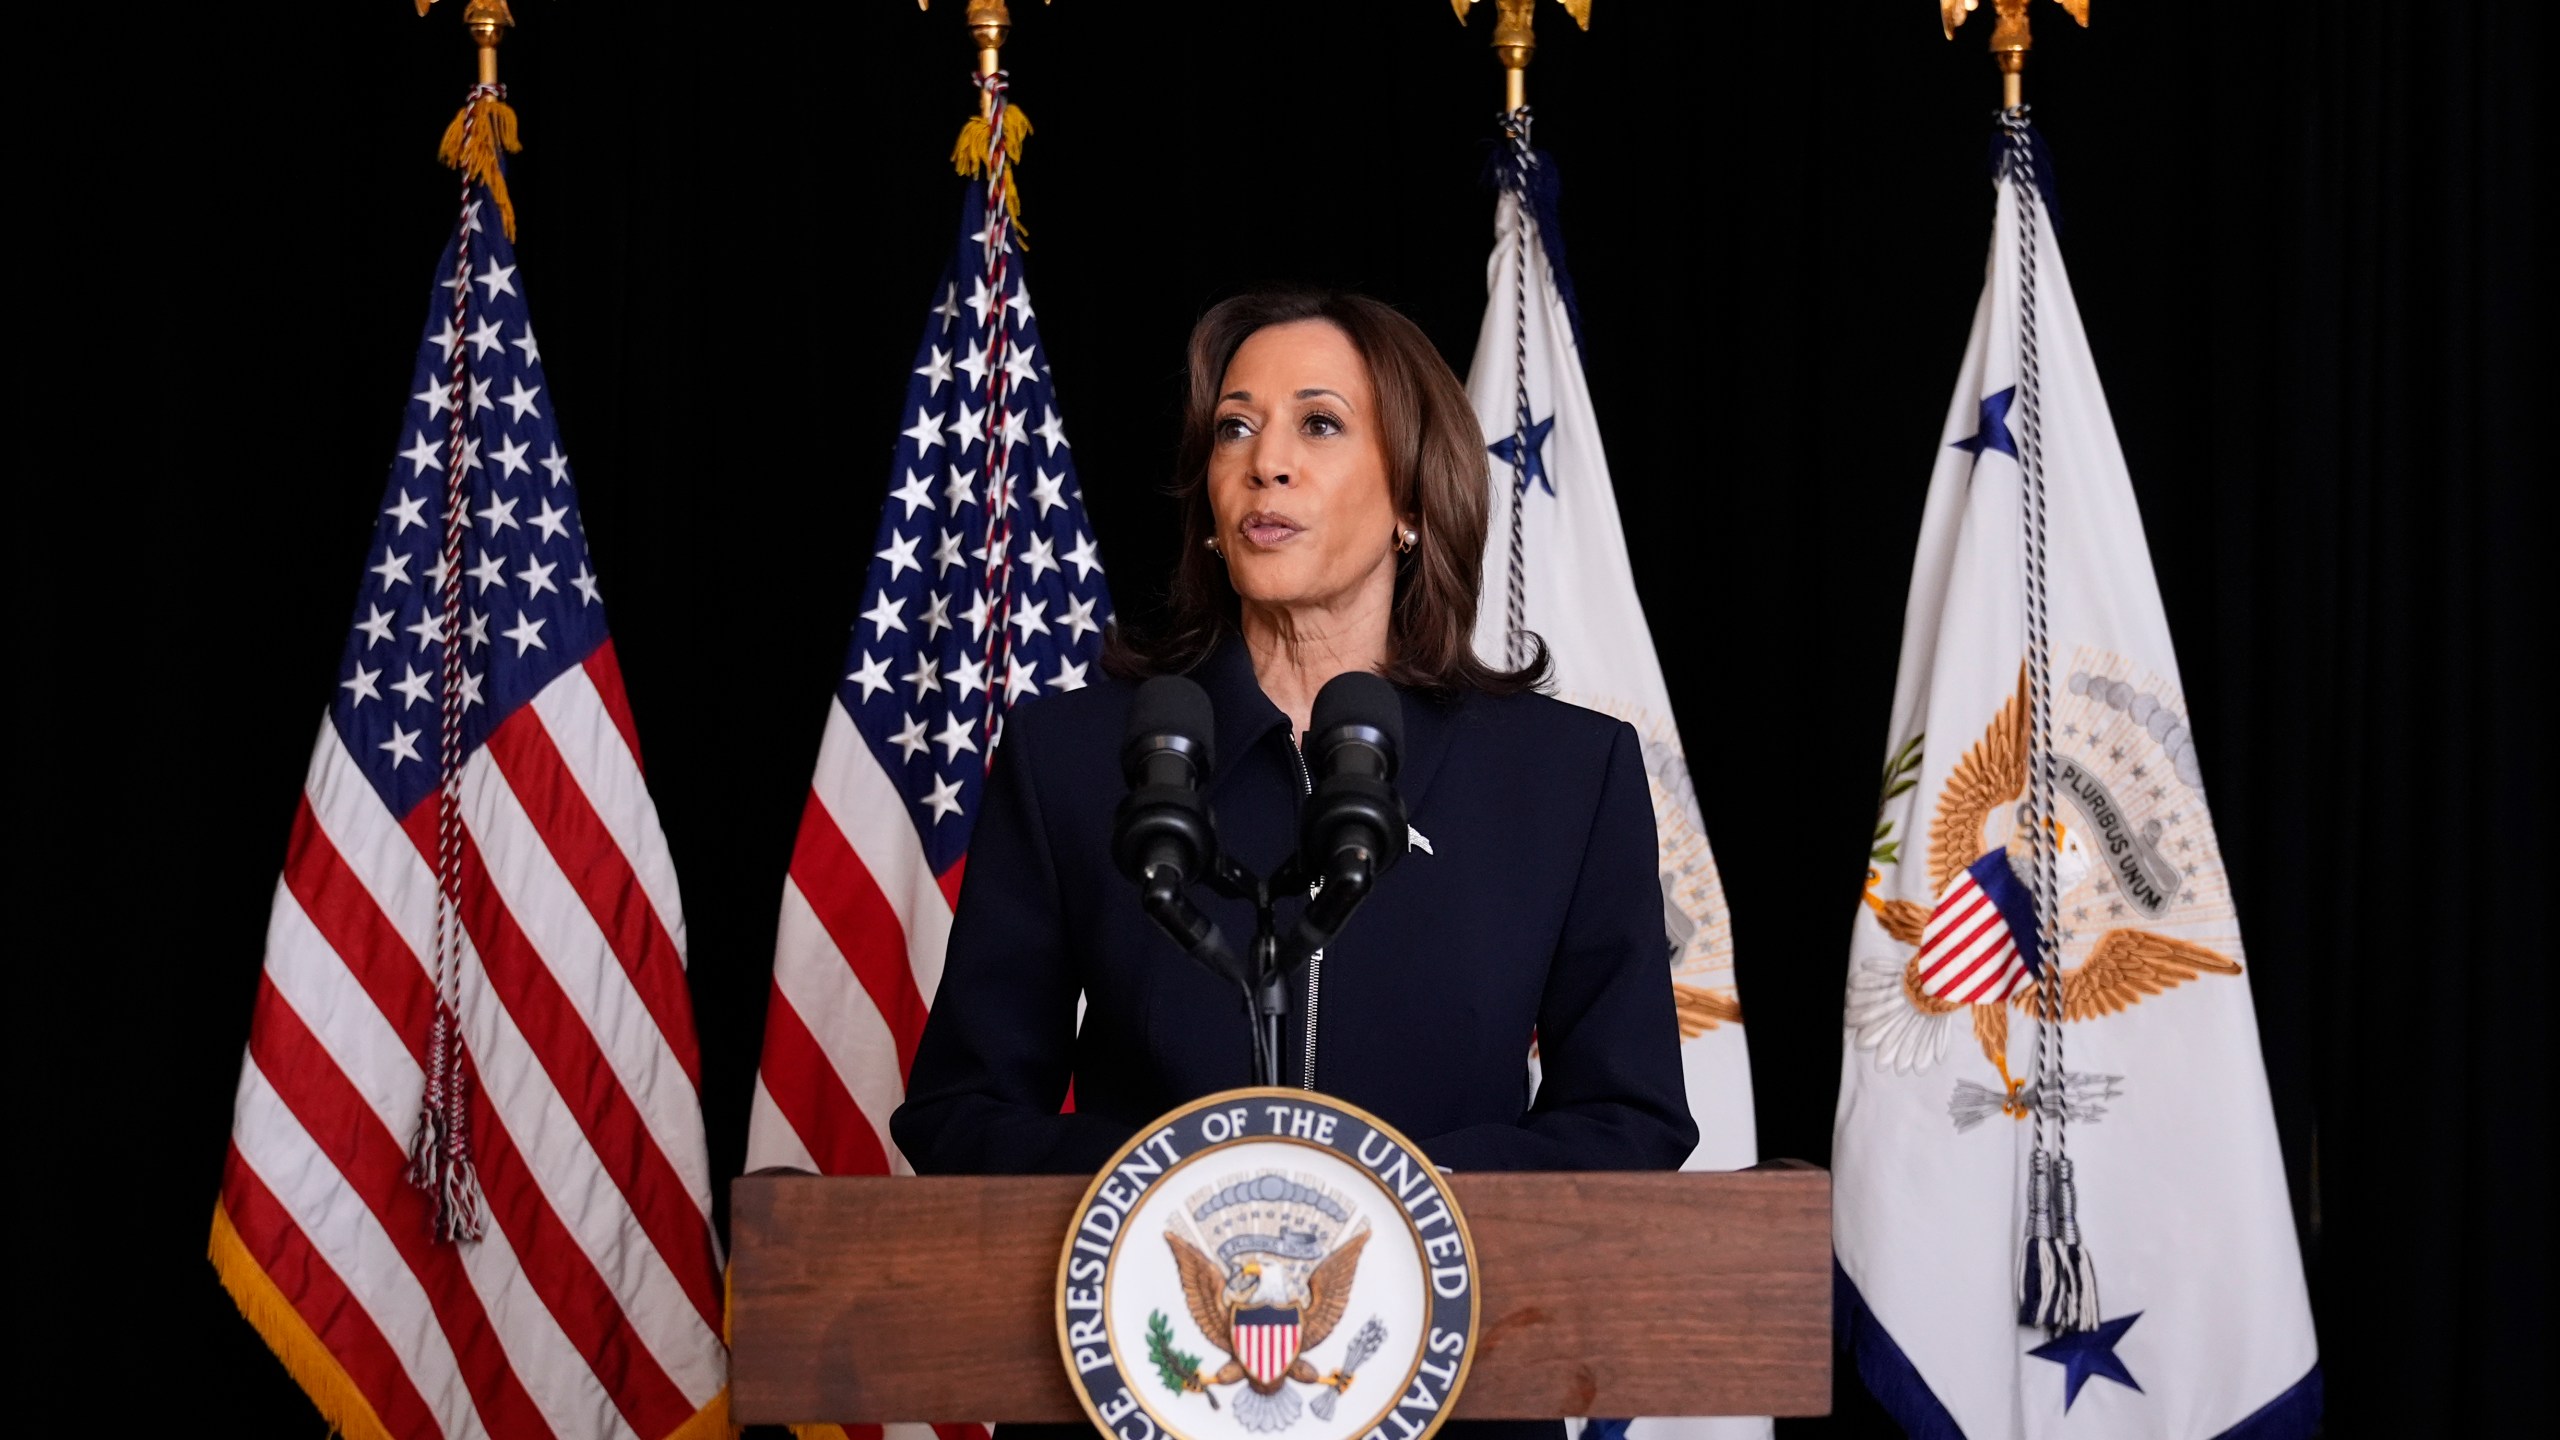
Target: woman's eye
x=1320, y=423
x=1233, y=427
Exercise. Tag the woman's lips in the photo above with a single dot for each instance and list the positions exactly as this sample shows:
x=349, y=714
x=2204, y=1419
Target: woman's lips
x=1266, y=529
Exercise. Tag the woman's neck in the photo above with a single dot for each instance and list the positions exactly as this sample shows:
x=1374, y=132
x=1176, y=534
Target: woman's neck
x=1297, y=649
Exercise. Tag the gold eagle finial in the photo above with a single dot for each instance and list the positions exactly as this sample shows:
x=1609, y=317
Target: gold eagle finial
x=1515, y=39
x=488, y=21
x=1580, y=10
x=2010, y=39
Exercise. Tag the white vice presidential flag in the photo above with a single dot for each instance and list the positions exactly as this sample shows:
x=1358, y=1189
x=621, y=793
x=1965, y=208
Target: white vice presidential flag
x=2198, y=1323
x=1554, y=509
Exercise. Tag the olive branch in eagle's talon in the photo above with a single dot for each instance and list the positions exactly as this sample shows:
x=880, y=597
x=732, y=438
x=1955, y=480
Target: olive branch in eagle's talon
x=1181, y=1371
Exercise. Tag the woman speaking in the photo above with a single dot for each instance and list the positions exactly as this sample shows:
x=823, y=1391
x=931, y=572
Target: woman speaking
x=1332, y=479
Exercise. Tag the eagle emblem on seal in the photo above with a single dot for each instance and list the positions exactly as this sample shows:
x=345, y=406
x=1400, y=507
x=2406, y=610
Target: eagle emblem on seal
x=1267, y=1273
x=1973, y=953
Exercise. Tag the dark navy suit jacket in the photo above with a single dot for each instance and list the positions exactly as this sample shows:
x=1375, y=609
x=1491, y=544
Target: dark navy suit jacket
x=1535, y=911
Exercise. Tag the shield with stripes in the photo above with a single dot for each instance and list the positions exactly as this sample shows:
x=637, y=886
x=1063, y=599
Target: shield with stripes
x=1266, y=1342
x=1980, y=943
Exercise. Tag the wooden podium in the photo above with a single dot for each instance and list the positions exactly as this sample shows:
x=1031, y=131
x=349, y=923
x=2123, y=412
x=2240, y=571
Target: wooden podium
x=859, y=1300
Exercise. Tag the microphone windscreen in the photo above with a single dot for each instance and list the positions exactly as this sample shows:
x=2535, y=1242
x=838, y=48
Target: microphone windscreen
x=1359, y=697
x=1175, y=705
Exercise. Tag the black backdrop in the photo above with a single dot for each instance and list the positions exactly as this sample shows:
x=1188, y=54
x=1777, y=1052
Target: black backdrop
x=2303, y=236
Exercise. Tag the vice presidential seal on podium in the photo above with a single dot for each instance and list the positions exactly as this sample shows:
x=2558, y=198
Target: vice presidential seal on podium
x=1268, y=1261
x=1265, y=1260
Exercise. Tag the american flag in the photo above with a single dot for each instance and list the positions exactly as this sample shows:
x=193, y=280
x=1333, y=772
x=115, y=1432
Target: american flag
x=983, y=591
x=591, y=1306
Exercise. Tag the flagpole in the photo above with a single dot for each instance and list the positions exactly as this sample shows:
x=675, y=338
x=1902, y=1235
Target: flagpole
x=2056, y=1278
x=1515, y=40
x=989, y=23
x=2010, y=38
x=488, y=21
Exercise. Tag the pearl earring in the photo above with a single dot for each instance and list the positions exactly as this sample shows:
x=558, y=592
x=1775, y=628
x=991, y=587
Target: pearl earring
x=1212, y=542
x=1406, y=539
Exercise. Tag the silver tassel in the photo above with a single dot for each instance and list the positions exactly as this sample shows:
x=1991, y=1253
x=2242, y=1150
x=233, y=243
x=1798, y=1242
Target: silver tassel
x=2079, y=1271
x=2039, y=1259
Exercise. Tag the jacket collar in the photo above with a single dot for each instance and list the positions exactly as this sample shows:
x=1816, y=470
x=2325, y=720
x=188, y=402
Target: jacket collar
x=1246, y=718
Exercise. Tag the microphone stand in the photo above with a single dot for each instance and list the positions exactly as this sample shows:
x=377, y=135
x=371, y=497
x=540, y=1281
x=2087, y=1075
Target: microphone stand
x=1264, y=1000
x=1260, y=976
x=1164, y=828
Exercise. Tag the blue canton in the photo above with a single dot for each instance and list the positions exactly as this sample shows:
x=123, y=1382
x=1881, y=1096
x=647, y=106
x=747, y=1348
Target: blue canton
x=531, y=608
x=983, y=485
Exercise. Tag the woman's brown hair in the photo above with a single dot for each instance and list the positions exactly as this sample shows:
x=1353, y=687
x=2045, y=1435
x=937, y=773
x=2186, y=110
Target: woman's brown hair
x=1435, y=472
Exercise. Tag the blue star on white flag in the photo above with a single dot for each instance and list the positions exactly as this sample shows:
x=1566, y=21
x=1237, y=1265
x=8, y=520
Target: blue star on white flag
x=2159, y=1098
x=1550, y=479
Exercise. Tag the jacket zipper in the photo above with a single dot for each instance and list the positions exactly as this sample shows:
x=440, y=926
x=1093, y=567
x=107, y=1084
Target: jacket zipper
x=1315, y=962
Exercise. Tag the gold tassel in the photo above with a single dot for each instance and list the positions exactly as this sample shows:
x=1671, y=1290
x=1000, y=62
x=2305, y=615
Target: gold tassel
x=308, y=1361
x=496, y=128
x=969, y=158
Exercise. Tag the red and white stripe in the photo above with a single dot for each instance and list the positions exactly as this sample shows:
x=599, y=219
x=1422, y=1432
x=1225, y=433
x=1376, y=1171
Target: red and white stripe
x=1967, y=954
x=592, y=1307
x=1267, y=1350
x=855, y=969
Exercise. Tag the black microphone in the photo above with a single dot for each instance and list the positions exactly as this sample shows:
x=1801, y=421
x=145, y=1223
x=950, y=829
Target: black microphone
x=1353, y=828
x=1163, y=836
x=1163, y=829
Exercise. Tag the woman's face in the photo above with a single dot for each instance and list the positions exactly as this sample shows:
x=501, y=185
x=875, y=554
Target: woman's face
x=1298, y=472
